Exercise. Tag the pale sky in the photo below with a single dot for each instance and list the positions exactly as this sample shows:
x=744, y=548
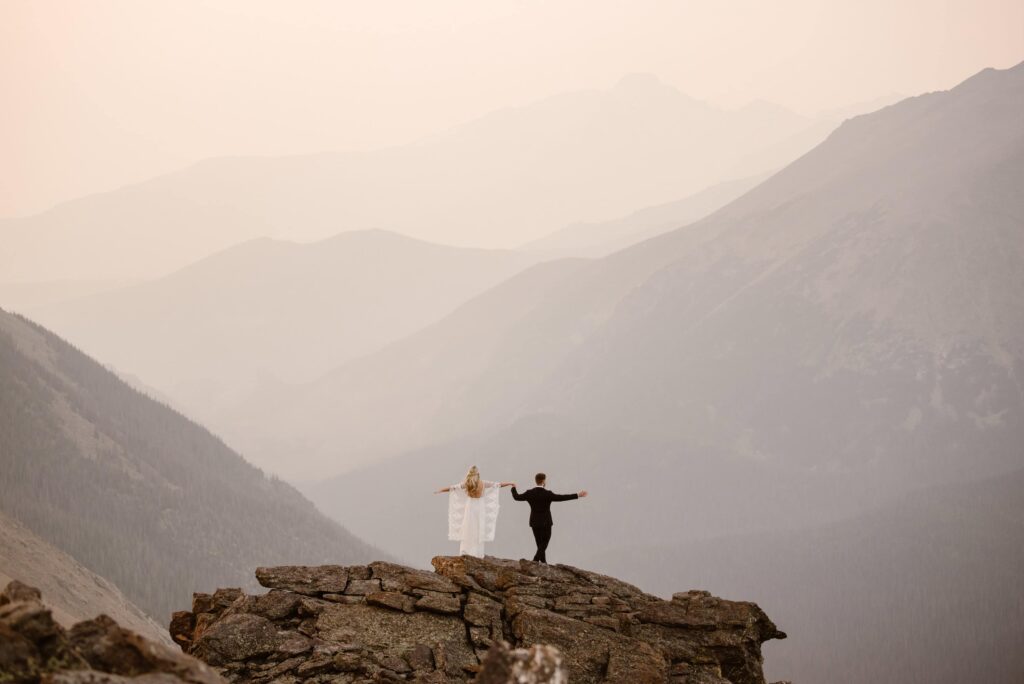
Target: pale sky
x=97, y=94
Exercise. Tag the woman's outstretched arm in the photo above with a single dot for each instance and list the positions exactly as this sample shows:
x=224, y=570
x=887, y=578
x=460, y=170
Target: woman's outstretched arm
x=443, y=490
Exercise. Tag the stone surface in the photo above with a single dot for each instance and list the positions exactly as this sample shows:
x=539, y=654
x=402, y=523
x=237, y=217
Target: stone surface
x=439, y=603
x=493, y=620
x=301, y=579
x=34, y=648
x=16, y=591
x=535, y=665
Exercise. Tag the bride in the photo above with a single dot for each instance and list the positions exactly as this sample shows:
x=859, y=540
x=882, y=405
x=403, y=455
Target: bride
x=473, y=512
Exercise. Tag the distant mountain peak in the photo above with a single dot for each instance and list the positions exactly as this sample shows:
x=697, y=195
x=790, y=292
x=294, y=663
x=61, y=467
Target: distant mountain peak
x=642, y=86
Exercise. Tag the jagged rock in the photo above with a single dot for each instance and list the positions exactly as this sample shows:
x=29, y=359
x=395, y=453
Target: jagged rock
x=34, y=648
x=471, y=618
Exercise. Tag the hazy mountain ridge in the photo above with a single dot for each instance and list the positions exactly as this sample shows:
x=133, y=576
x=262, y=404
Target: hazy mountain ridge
x=602, y=238
x=21, y=297
x=533, y=168
x=834, y=266
x=217, y=329
x=396, y=386
x=131, y=489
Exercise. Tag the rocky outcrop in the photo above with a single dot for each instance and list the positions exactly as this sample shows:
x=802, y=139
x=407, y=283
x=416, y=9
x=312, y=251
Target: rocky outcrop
x=471, y=618
x=35, y=648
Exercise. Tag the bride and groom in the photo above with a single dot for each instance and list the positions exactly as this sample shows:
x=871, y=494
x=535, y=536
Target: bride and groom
x=473, y=512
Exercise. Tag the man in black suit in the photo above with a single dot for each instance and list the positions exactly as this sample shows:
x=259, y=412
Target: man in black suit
x=540, y=500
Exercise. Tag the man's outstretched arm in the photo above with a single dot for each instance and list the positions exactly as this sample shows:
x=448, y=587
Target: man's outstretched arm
x=569, y=497
x=516, y=495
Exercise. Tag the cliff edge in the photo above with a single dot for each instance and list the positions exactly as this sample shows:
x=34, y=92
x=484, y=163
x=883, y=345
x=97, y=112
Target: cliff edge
x=471, y=618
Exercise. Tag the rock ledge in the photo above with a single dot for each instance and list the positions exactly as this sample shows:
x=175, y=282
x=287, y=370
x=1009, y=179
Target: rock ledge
x=384, y=622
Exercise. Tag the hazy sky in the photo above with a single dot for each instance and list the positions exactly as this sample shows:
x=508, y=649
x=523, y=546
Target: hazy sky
x=101, y=93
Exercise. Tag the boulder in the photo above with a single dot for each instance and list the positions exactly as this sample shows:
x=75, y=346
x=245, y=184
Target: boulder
x=306, y=580
x=236, y=637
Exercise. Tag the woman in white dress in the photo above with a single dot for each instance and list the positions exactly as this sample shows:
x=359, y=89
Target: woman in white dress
x=473, y=512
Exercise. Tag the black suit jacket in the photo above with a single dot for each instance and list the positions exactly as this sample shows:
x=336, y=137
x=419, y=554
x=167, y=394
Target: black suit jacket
x=540, y=504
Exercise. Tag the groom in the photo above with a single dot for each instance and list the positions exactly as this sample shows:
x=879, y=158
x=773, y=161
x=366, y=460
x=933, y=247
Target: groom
x=540, y=500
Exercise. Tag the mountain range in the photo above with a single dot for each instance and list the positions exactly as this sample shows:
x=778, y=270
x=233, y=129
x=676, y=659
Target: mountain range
x=856, y=311
x=512, y=175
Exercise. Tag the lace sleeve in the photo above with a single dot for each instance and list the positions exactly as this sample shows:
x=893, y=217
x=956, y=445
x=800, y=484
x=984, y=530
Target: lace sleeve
x=491, y=505
x=457, y=499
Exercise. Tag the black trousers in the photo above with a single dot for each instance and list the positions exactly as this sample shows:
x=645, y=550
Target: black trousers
x=543, y=536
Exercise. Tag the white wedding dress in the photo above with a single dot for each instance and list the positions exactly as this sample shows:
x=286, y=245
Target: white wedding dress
x=472, y=521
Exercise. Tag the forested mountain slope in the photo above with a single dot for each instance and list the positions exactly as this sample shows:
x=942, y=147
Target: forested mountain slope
x=134, y=491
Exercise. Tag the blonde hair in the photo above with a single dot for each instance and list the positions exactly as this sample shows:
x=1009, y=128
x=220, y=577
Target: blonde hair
x=473, y=483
